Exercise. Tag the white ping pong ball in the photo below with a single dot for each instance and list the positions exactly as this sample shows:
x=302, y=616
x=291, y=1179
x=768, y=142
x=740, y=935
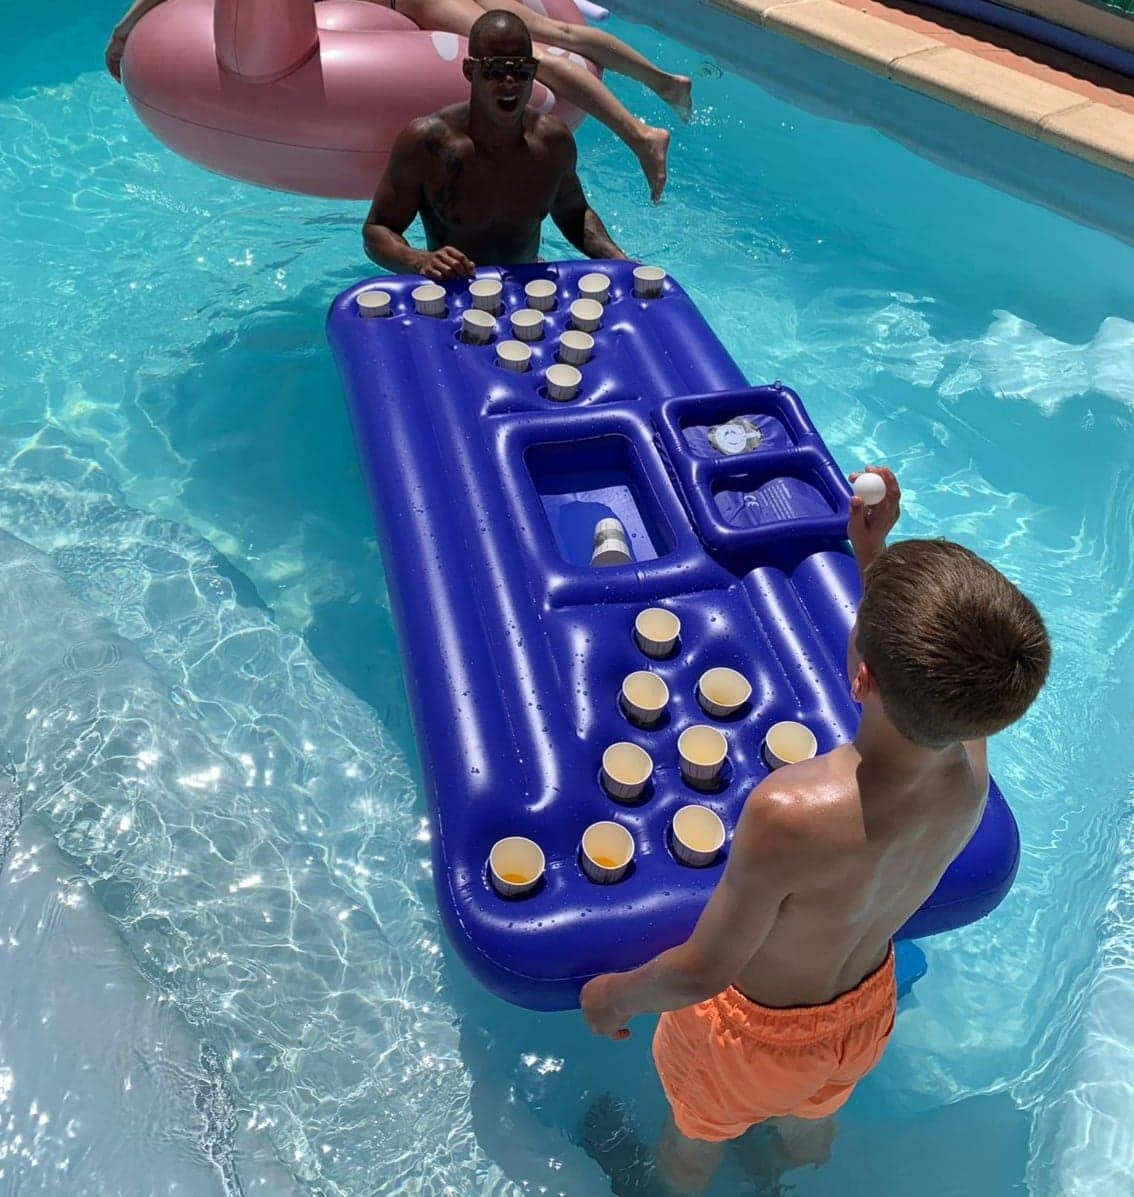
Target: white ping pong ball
x=870, y=488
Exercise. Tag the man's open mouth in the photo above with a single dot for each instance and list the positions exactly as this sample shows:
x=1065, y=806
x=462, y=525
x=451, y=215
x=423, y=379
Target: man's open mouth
x=509, y=103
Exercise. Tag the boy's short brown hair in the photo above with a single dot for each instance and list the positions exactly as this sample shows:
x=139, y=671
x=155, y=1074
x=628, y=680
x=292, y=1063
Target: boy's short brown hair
x=958, y=652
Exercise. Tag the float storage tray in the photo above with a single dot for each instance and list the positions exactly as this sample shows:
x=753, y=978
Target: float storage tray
x=486, y=493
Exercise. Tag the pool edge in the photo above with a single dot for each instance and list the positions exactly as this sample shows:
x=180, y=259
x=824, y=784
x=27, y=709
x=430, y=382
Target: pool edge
x=1044, y=111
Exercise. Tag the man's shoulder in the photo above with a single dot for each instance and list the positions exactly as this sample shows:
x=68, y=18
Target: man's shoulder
x=795, y=805
x=437, y=128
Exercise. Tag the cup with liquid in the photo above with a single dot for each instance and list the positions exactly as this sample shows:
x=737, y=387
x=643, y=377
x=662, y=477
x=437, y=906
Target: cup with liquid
x=702, y=752
x=656, y=631
x=513, y=355
x=645, y=697
x=788, y=743
x=606, y=852
x=515, y=866
x=721, y=692
x=626, y=771
x=697, y=836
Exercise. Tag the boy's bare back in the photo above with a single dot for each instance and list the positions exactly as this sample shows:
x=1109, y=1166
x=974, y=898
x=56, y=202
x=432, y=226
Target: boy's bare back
x=850, y=880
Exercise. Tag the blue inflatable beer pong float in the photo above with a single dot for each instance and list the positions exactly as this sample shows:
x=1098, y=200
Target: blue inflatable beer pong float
x=489, y=484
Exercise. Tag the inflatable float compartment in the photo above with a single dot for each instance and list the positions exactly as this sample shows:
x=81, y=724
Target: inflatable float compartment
x=296, y=95
x=487, y=493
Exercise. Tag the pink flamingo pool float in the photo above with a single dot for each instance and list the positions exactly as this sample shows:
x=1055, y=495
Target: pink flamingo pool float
x=295, y=95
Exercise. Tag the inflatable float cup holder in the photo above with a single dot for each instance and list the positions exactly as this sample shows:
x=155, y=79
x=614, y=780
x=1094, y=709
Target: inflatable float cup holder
x=606, y=852
x=648, y=282
x=788, y=743
x=722, y=692
x=527, y=324
x=429, y=299
x=373, y=302
x=487, y=295
x=540, y=294
x=477, y=326
x=575, y=347
x=515, y=866
x=563, y=382
x=586, y=315
x=702, y=752
x=656, y=632
x=595, y=286
x=644, y=698
x=513, y=355
x=626, y=771
x=696, y=836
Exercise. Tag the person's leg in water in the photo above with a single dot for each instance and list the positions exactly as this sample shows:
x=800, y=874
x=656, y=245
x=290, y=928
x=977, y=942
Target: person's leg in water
x=573, y=83
x=781, y=1145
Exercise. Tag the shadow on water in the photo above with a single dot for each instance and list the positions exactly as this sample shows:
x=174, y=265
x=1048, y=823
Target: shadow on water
x=276, y=486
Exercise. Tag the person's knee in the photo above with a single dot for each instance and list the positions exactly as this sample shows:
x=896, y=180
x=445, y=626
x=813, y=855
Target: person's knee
x=803, y=1141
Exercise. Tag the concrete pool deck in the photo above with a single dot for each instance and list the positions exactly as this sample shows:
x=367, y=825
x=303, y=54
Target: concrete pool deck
x=1054, y=97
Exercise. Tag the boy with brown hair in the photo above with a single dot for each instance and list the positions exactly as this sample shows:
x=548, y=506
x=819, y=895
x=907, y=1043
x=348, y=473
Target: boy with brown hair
x=783, y=997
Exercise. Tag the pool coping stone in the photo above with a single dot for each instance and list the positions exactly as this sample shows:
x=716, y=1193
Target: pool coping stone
x=996, y=90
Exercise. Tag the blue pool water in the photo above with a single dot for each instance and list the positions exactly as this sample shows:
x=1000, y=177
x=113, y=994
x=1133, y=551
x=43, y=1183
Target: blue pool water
x=203, y=699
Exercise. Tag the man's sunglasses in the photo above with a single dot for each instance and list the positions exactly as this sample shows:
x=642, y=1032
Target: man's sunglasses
x=497, y=69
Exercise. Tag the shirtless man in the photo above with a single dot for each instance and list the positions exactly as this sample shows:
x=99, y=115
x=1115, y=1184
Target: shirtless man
x=484, y=174
x=783, y=997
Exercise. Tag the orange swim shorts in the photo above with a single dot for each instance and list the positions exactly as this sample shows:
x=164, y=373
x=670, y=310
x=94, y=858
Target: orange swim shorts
x=729, y=1063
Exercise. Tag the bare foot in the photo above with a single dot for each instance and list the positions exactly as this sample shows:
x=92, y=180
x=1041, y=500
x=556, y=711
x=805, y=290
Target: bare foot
x=652, y=151
x=678, y=94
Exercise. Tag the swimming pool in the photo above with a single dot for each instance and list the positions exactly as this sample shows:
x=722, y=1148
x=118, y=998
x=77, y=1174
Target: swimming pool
x=208, y=707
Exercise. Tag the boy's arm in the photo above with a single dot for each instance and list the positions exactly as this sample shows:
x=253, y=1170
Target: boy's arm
x=868, y=527
x=574, y=217
x=765, y=863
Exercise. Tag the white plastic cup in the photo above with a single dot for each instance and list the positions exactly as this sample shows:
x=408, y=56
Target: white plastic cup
x=722, y=691
x=612, y=552
x=575, y=347
x=586, y=315
x=595, y=286
x=645, y=697
x=611, y=544
x=540, y=294
x=788, y=743
x=656, y=631
x=515, y=865
x=626, y=770
x=373, y=303
x=609, y=528
x=698, y=835
x=563, y=383
x=648, y=281
x=487, y=294
x=607, y=850
x=477, y=326
x=702, y=751
x=527, y=324
x=429, y=299
x=513, y=355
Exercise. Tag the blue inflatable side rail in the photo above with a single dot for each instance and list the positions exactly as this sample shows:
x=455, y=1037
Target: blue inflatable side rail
x=1046, y=33
x=487, y=493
